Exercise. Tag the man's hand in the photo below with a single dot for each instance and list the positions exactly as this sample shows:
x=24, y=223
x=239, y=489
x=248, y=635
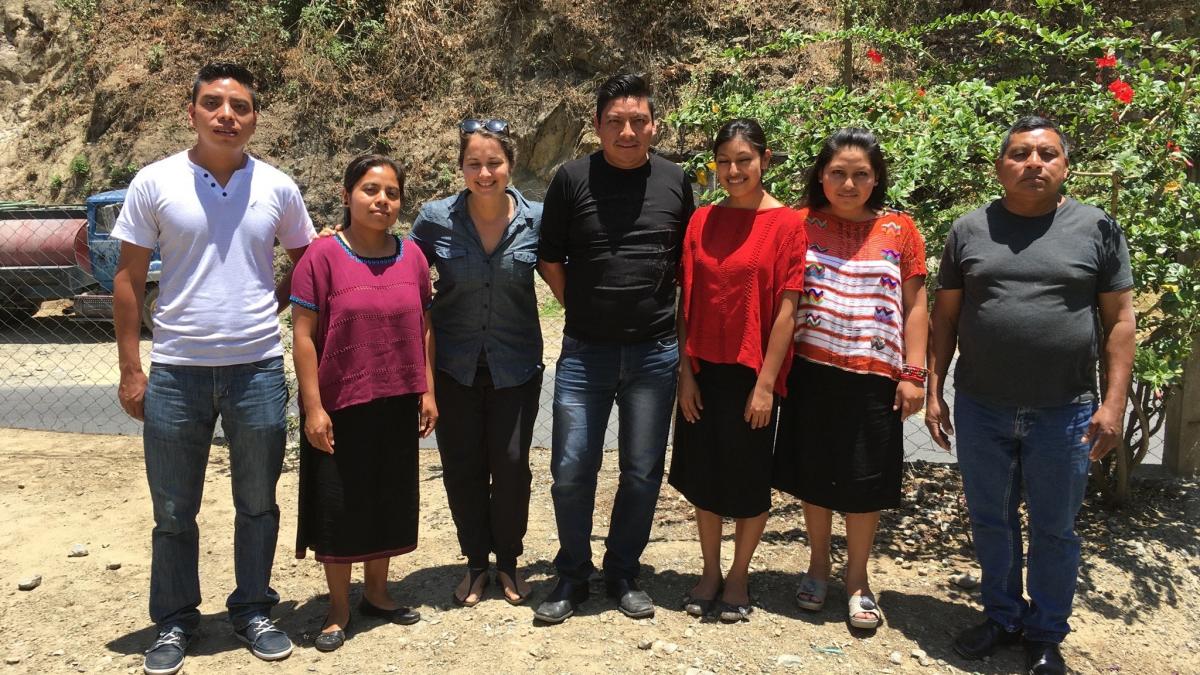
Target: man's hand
x=689, y=396
x=429, y=414
x=937, y=420
x=759, y=405
x=909, y=398
x=318, y=428
x=132, y=394
x=1103, y=432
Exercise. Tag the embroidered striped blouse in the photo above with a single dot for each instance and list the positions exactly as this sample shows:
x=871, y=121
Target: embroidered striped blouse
x=851, y=315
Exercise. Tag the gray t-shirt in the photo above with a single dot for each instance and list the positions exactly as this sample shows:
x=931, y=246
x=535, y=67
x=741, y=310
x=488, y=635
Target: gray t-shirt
x=1028, y=333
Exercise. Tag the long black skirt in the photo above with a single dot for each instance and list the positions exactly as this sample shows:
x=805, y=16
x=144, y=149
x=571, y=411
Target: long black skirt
x=719, y=463
x=840, y=445
x=361, y=503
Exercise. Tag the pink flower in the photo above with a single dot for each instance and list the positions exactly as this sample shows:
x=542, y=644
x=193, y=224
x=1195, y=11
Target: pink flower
x=874, y=55
x=1122, y=91
x=1106, y=61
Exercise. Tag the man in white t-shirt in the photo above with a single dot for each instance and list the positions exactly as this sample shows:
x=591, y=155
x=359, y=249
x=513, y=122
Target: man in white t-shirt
x=214, y=213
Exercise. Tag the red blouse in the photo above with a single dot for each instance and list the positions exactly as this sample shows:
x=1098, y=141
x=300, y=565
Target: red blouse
x=735, y=267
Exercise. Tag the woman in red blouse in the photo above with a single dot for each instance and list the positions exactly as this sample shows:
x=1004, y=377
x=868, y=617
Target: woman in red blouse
x=741, y=272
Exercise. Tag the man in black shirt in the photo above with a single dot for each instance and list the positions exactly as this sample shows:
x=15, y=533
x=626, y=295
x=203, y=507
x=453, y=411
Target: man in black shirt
x=612, y=227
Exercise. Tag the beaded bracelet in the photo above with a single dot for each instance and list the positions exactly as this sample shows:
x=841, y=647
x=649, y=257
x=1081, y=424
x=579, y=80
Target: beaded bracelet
x=914, y=374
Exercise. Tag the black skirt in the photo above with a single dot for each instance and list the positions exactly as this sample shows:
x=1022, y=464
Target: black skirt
x=719, y=463
x=361, y=503
x=840, y=444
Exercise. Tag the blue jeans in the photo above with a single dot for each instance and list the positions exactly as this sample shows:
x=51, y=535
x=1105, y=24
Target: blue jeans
x=182, y=404
x=1005, y=453
x=640, y=377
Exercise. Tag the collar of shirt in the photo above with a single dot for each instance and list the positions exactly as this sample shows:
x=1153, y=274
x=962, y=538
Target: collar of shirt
x=522, y=218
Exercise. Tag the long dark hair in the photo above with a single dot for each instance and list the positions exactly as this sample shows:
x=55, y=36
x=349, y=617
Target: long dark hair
x=358, y=167
x=814, y=194
x=745, y=127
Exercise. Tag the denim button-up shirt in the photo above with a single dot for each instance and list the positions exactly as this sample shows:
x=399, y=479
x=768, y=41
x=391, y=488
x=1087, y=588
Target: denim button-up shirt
x=483, y=302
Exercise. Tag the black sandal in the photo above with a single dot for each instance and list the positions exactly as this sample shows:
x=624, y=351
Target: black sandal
x=509, y=569
x=474, y=573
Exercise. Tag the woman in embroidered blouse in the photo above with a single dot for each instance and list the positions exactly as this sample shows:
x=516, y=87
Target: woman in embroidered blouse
x=362, y=351
x=860, y=348
x=483, y=242
x=741, y=272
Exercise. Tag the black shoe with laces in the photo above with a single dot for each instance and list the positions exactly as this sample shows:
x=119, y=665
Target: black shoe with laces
x=165, y=656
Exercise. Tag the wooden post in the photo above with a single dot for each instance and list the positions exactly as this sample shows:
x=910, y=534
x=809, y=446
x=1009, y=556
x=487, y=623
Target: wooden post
x=1181, y=452
x=847, y=47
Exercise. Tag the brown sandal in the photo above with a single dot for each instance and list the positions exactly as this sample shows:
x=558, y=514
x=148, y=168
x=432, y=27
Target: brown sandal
x=473, y=575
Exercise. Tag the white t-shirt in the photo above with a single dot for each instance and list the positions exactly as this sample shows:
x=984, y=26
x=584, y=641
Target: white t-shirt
x=216, y=303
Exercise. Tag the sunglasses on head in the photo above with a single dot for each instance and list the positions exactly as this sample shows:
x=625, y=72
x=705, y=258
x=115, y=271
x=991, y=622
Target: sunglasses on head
x=496, y=126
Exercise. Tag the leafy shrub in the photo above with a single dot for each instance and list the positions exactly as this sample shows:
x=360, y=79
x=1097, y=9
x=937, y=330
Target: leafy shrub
x=1131, y=105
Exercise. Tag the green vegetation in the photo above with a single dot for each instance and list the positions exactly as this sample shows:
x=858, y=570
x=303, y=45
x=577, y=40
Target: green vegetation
x=80, y=167
x=1131, y=106
x=154, y=58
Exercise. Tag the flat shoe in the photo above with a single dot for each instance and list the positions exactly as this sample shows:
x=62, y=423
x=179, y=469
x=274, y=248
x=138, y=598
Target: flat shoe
x=731, y=613
x=328, y=642
x=698, y=607
x=865, y=604
x=815, y=589
x=401, y=615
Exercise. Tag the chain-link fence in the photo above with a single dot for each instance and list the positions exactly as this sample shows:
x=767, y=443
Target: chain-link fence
x=58, y=356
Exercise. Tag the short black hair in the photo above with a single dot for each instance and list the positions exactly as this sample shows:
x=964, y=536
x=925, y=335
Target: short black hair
x=814, y=193
x=1030, y=123
x=625, y=85
x=358, y=167
x=742, y=127
x=221, y=70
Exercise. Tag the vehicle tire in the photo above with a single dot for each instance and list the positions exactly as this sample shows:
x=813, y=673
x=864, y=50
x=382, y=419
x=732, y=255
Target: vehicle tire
x=149, y=302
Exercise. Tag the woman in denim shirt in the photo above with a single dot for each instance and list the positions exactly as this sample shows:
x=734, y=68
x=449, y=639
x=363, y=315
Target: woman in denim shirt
x=483, y=242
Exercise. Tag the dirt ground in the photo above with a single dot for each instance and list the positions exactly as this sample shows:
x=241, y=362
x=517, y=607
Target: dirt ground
x=1134, y=613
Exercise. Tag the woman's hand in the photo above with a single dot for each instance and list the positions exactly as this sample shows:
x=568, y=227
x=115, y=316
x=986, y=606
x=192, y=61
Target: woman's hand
x=689, y=396
x=429, y=414
x=909, y=398
x=329, y=231
x=759, y=405
x=318, y=428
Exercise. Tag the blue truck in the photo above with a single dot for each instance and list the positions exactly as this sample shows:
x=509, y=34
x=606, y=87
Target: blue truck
x=65, y=252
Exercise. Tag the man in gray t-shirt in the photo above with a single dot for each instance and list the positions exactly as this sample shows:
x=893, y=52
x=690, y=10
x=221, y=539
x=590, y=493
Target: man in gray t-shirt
x=1022, y=283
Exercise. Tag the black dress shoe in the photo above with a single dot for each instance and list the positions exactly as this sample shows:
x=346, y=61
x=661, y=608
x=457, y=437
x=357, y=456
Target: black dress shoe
x=1044, y=658
x=562, y=601
x=982, y=640
x=631, y=599
x=401, y=615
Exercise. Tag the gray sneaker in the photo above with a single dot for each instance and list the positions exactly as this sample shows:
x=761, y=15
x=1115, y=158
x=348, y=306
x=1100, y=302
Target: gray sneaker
x=265, y=640
x=165, y=656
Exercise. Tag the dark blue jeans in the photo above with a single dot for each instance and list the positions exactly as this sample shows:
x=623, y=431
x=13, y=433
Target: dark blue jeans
x=182, y=404
x=1006, y=453
x=590, y=376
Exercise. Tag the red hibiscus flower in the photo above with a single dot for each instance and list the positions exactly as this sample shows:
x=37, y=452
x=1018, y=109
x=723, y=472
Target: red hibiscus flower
x=874, y=55
x=1122, y=91
x=1172, y=146
x=920, y=91
x=1106, y=61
